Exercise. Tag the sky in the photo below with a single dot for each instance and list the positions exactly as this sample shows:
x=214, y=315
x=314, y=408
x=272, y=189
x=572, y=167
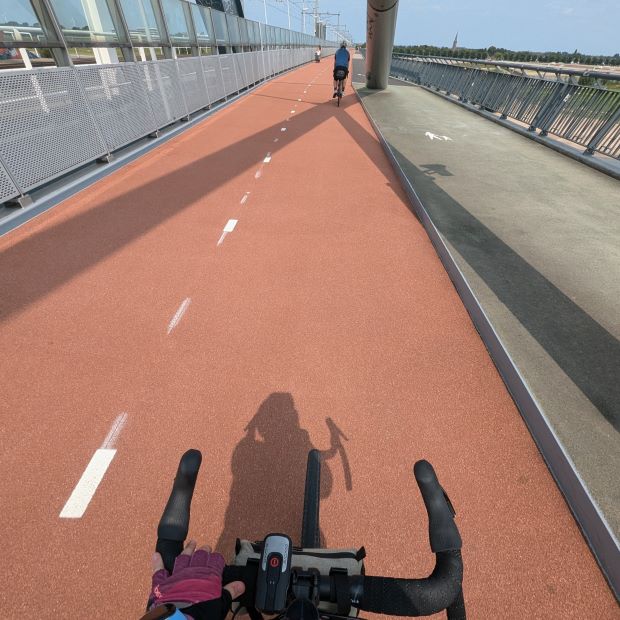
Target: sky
x=590, y=26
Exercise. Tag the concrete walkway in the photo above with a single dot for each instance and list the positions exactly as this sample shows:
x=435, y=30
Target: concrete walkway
x=537, y=235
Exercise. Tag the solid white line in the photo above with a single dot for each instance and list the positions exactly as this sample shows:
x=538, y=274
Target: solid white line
x=87, y=485
x=179, y=314
x=115, y=431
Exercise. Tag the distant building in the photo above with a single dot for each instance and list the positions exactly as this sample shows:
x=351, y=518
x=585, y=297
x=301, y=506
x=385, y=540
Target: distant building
x=456, y=42
x=228, y=6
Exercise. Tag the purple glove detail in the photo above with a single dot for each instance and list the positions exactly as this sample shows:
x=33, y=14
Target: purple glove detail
x=195, y=578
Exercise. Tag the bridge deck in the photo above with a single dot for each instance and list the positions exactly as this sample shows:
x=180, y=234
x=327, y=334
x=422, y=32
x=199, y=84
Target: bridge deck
x=325, y=300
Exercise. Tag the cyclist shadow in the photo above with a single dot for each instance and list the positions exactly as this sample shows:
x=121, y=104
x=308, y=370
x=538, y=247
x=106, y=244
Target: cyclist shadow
x=269, y=472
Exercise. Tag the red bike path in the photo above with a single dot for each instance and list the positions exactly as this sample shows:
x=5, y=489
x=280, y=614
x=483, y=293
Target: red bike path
x=323, y=319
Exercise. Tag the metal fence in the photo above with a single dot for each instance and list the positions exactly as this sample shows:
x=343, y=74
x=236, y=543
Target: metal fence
x=585, y=115
x=57, y=119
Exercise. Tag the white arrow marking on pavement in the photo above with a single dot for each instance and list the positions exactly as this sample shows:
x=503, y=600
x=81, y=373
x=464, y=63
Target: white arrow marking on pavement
x=433, y=136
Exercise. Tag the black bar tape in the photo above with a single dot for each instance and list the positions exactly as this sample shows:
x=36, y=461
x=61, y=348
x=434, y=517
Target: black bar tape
x=415, y=597
x=442, y=530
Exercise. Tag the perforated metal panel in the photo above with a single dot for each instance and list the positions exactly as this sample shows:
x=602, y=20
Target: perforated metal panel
x=193, y=83
x=266, y=60
x=213, y=78
x=250, y=64
x=162, y=84
x=240, y=72
x=7, y=187
x=46, y=128
x=249, y=68
x=118, y=101
x=258, y=66
x=228, y=74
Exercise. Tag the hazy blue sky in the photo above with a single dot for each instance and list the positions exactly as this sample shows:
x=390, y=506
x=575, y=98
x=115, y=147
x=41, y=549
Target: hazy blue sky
x=591, y=26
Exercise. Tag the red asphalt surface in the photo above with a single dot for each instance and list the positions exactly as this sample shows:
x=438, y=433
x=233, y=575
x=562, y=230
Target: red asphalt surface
x=326, y=301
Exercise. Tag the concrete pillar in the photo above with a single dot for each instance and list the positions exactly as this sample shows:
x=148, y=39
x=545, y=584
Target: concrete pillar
x=380, y=28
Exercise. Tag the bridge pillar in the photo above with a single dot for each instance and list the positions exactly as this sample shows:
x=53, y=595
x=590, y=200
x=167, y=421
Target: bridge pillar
x=380, y=28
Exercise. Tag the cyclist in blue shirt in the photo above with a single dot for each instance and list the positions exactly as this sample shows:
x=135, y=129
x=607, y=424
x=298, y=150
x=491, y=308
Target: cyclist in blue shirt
x=341, y=61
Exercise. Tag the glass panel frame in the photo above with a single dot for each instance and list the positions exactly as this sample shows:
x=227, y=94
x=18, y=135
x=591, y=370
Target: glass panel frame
x=234, y=36
x=203, y=25
x=179, y=29
x=243, y=31
x=142, y=21
x=220, y=26
x=90, y=23
x=28, y=23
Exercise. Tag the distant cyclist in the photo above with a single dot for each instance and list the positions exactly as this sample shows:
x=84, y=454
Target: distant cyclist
x=342, y=59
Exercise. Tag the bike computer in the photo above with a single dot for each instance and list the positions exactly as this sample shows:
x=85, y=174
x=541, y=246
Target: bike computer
x=274, y=573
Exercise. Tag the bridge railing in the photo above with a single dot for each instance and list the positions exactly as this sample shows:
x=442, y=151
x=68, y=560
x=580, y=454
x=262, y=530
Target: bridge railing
x=54, y=120
x=588, y=116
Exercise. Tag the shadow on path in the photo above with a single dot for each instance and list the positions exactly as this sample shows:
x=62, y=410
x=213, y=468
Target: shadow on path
x=269, y=472
x=47, y=258
x=583, y=349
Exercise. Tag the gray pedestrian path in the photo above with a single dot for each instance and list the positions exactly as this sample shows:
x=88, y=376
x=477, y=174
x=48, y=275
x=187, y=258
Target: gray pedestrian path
x=537, y=236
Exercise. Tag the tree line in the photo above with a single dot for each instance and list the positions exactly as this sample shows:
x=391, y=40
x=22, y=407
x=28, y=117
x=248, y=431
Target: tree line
x=500, y=53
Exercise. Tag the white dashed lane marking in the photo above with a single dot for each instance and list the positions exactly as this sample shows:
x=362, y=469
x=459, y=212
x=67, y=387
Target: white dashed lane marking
x=179, y=314
x=267, y=158
x=93, y=474
x=244, y=198
x=230, y=226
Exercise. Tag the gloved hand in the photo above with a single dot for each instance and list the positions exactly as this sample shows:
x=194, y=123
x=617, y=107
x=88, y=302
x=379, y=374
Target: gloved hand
x=195, y=585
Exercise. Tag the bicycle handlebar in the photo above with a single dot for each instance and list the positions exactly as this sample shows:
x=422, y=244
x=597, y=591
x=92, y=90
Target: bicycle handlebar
x=442, y=589
x=174, y=523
